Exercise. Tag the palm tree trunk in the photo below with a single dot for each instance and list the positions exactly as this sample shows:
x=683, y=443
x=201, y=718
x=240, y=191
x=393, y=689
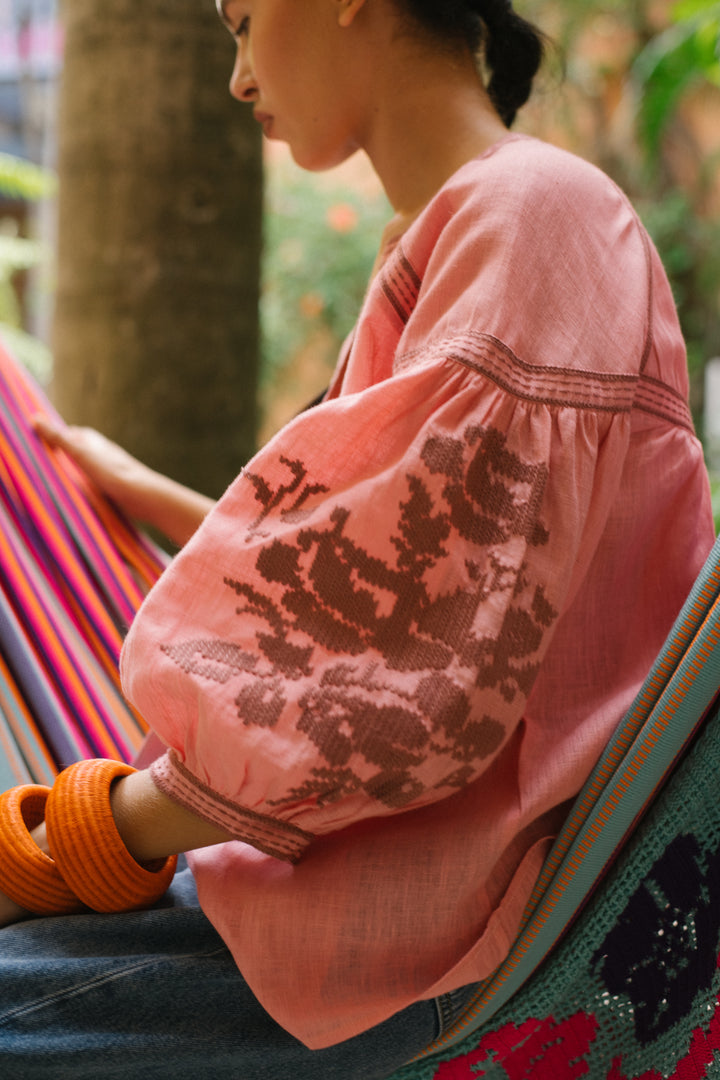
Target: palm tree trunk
x=159, y=237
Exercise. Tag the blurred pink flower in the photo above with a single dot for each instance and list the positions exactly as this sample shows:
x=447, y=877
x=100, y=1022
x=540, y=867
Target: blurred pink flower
x=342, y=217
x=312, y=305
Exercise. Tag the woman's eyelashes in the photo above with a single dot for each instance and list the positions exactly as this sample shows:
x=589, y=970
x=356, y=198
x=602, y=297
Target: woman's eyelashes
x=243, y=29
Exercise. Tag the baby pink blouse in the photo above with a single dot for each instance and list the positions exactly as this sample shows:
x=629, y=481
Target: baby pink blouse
x=392, y=653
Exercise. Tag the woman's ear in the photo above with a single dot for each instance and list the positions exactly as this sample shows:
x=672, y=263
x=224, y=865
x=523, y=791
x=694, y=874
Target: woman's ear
x=347, y=10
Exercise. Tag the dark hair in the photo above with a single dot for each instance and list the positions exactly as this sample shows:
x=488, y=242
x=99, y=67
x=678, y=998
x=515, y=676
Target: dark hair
x=512, y=48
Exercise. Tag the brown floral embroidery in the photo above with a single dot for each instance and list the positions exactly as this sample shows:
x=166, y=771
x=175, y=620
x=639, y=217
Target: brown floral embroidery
x=270, y=499
x=216, y=660
x=409, y=655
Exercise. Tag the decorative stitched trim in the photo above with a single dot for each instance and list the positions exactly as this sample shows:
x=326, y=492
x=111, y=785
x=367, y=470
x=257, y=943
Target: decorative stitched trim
x=401, y=285
x=548, y=385
x=664, y=401
x=276, y=838
x=562, y=387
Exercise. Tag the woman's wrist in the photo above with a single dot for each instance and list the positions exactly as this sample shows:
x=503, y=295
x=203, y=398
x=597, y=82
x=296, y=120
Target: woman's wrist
x=153, y=826
x=165, y=504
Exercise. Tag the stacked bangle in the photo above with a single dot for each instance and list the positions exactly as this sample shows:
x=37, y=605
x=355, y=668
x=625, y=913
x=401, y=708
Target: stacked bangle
x=87, y=848
x=28, y=876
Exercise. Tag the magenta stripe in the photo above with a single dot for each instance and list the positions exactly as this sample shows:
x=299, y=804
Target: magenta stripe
x=59, y=649
x=68, y=589
x=59, y=515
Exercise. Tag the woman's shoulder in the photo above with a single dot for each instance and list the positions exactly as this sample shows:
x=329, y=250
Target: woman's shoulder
x=533, y=247
x=523, y=173
x=524, y=199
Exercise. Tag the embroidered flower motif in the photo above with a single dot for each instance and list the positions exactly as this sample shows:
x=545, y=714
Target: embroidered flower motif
x=535, y=1050
x=662, y=950
x=404, y=638
x=701, y=1053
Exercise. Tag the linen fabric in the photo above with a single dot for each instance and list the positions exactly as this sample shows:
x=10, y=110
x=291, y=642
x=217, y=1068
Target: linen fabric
x=392, y=653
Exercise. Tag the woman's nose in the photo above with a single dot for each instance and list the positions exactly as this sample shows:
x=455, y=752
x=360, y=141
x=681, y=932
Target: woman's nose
x=242, y=81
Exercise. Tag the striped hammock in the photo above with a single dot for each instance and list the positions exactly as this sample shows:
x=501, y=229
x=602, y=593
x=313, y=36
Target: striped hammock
x=73, y=573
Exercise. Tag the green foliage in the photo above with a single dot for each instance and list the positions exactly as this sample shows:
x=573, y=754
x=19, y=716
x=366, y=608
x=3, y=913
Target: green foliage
x=685, y=55
x=16, y=254
x=674, y=62
x=690, y=249
x=320, y=245
x=715, y=490
x=21, y=180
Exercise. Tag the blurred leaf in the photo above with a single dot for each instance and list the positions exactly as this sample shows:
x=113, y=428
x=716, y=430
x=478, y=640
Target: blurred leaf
x=21, y=179
x=687, y=53
x=686, y=9
x=28, y=350
x=18, y=253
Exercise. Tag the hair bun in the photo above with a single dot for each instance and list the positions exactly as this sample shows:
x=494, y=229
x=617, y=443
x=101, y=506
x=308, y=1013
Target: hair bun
x=514, y=51
x=512, y=46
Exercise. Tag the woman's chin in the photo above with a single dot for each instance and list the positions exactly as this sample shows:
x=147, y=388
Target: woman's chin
x=317, y=161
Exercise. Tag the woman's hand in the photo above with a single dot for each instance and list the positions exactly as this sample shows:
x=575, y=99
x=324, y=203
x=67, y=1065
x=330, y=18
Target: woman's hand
x=139, y=491
x=118, y=474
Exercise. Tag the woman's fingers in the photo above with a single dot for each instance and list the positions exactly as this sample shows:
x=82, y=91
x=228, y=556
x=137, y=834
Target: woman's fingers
x=84, y=444
x=141, y=492
x=51, y=432
x=107, y=464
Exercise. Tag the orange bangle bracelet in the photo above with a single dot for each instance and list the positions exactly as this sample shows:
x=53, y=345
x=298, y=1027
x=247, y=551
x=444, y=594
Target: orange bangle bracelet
x=28, y=876
x=87, y=847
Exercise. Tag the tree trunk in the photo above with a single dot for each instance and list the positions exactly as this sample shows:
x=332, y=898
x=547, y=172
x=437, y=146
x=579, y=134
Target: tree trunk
x=159, y=235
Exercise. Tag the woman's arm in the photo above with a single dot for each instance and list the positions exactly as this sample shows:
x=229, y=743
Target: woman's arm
x=142, y=493
x=151, y=826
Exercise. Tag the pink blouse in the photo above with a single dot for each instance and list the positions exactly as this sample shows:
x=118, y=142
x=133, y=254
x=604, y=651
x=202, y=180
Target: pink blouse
x=390, y=656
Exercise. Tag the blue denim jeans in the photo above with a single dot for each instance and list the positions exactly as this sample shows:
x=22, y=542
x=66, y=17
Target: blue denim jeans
x=155, y=994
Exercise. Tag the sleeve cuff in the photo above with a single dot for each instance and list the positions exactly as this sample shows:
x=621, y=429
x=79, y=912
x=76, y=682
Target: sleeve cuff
x=267, y=834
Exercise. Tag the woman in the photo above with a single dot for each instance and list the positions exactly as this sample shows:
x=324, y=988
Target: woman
x=384, y=663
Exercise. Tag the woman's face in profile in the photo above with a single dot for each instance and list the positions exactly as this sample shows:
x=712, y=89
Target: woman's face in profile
x=291, y=66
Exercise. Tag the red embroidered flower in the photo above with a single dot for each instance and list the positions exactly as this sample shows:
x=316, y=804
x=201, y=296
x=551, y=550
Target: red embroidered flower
x=536, y=1050
x=548, y=1050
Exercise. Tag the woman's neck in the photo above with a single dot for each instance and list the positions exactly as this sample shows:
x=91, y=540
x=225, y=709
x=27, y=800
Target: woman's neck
x=433, y=119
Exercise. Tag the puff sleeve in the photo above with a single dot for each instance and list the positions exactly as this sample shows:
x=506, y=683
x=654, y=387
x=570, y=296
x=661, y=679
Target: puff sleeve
x=356, y=628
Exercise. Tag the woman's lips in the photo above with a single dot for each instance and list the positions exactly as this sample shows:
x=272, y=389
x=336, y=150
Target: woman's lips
x=264, y=119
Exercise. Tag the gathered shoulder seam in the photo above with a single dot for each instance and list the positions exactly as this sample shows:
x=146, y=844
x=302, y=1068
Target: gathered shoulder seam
x=563, y=387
